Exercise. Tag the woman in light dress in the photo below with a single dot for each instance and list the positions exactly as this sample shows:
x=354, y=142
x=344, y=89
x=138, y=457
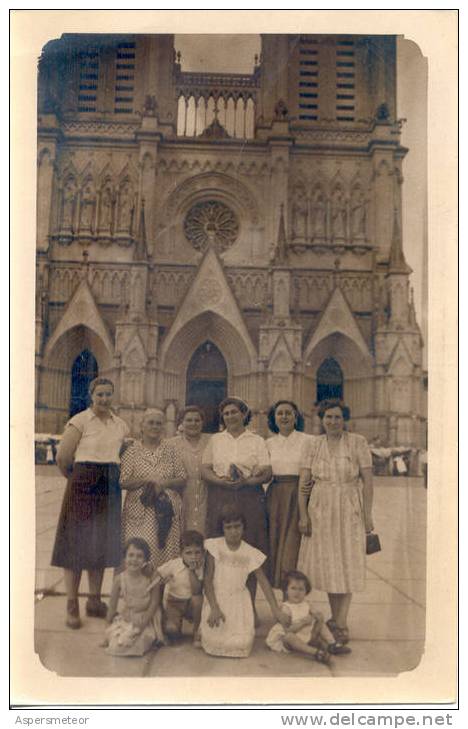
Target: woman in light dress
x=190, y=444
x=285, y=420
x=338, y=515
x=152, y=472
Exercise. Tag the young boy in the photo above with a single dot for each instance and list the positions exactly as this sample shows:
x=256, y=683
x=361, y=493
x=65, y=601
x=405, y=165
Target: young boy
x=183, y=581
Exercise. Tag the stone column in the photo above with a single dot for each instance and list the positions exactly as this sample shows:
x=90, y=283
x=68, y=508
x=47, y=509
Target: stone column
x=45, y=178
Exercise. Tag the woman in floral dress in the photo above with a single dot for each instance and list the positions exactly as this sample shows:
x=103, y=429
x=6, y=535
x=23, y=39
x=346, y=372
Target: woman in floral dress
x=190, y=444
x=151, y=471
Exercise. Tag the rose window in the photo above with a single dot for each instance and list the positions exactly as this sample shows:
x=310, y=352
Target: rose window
x=211, y=223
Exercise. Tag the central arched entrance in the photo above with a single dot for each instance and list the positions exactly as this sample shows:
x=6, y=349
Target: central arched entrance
x=329, y=380
x=207, y=382
x=84, y=370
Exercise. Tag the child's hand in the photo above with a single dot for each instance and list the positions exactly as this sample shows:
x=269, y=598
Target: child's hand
x=216, y=617
x=283, y=618
x=104, y=642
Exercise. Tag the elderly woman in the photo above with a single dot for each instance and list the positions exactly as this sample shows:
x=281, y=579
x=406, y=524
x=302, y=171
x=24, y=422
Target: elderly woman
x=88, y=531
x=235, y=464
x=339, y=513
x=285, y=420
x=151, y=472
x=190, y=444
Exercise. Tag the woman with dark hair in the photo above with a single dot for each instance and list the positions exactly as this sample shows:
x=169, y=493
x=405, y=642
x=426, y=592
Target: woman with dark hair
x=339, y=514
x=235, y=464
x=190, y=444
x=88, y=531
x=151, y=473
x=286, y=421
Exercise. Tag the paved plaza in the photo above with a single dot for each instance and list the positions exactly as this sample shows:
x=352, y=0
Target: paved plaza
x=387, y=621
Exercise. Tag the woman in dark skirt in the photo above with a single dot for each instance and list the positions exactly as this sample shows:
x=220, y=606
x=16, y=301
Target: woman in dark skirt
x=88, y=531
x=285, y=447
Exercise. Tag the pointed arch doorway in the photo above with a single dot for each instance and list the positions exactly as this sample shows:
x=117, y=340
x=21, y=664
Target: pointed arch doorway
x=84, y=370
x=329, y=380
x=207, y=382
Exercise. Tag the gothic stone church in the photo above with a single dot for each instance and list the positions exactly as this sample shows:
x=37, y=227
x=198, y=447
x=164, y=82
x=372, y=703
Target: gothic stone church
x=200, y=234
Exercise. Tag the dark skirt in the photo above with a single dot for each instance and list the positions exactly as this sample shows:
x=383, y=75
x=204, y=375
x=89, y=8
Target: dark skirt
x=88, y=531
x=250, y=500
x=283, y=533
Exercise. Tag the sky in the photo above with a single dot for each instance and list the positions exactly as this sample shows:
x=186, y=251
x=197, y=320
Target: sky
x=235, y=54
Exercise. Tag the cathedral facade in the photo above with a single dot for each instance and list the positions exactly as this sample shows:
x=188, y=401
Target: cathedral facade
x=204, y=234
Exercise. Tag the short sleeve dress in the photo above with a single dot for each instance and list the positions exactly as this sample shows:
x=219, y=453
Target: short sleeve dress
x=333, y=557
x=297, y=611
x=141, y=463
x=234, y=637
x=194, y=498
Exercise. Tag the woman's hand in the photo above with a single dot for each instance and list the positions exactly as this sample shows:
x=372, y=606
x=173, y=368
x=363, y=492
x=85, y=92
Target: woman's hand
x=305, y=526
x=216, y=617
x=368, y=524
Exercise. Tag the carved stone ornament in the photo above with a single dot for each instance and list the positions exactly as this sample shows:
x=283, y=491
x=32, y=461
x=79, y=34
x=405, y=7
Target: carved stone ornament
x=211, y=223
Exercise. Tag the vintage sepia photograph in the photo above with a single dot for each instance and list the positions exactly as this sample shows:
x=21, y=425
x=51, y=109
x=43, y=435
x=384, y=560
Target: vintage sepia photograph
x=231, y=427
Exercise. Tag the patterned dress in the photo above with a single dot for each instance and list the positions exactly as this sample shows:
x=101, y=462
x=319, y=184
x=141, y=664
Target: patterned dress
x=195, y=496
x=333, y=557
x=138, y=464
x=124, y=639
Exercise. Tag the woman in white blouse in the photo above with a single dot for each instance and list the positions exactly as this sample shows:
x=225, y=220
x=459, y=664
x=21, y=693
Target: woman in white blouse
x=88, y=531
x=235, y=464
x=285, y=420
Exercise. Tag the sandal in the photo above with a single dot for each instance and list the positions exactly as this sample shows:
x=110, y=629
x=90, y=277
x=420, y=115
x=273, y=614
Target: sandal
x=322, y=656
x=341, y=635
x=95, y=608
x=338, y=649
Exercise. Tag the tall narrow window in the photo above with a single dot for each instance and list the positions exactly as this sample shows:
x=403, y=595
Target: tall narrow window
x=124, y=77
x=309, y=69
x=88, y=80
x=345, y=80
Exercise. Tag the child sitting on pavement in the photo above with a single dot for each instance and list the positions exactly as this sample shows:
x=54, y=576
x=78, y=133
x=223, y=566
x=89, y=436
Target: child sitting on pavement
x=182, y=579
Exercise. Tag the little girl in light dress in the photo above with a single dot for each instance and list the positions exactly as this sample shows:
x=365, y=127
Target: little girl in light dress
x=227, y=619
x=307, y=633
x=134, y=629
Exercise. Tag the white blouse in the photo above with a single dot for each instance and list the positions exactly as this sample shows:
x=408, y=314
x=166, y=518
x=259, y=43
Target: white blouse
x=246, y=451
x=101, y=440
x=285, y=452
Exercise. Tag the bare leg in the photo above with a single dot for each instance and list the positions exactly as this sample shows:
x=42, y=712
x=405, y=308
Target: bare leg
x=296, y=644
x=72, y=583
x=252, y=588
x=196, y=606
x=344, y=603
x=95, y=578
x=333, y=599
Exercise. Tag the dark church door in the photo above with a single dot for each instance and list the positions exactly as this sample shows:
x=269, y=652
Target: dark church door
x=329, y=380
x=207, y=383
x=84, y=370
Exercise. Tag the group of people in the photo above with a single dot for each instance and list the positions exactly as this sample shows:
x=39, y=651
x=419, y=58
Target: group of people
x=206, y=518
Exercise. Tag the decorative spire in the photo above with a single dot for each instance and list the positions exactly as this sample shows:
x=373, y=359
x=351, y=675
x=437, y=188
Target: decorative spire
x=141, y=249
x=281, y=252
x=397, y=262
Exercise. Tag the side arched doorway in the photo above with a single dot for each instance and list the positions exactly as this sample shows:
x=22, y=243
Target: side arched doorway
x=207, y=382
x=84, y=370
x=329, y=380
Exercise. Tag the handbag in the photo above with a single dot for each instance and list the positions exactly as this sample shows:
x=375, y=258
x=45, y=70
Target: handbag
x=373, y=543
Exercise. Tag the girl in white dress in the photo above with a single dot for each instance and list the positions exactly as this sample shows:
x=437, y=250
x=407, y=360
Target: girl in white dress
x=307, y=632
x=227, y=621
